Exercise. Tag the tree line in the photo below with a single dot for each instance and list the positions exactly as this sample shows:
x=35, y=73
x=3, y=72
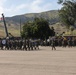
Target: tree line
x=39, y=28
x=68, y=12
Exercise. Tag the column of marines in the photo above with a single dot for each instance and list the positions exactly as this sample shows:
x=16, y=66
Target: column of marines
x=12, y=44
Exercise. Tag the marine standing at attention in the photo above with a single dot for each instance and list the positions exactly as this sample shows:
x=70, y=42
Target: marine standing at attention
x=53, y=44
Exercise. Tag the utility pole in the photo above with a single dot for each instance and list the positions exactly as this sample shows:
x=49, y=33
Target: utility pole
x=5, y=26
x=20, y=27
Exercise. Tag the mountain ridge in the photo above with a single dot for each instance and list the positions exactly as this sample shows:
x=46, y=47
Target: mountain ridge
x=52, y=16
x=13, y=23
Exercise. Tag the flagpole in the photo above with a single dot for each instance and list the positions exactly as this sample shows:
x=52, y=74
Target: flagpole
x=20, y=27
x=5, y=26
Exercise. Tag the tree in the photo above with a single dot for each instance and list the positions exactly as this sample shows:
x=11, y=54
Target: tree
x=68, y=12
x=39, y=28
x=63, y=1
x=60, y=1
x=27, y=30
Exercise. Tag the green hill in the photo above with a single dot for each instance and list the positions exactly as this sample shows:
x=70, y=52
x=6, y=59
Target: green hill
x=51, y=16
x=13, y=23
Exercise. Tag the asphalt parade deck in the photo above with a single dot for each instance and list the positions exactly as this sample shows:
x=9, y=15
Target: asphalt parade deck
x=38, y=62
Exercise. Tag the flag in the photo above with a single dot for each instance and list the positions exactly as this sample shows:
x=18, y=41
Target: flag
x=1, y=18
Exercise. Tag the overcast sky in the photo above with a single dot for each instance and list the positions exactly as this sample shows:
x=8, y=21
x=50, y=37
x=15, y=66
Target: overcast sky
x=18, y=7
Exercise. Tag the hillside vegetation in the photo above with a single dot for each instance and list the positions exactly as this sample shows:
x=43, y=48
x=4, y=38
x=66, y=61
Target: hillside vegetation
x=13, y=23
x=51, y=16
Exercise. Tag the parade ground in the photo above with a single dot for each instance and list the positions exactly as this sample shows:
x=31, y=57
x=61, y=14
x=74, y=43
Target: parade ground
x=44, y=61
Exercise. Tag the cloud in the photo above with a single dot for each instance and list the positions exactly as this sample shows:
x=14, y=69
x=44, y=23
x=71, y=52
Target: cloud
x=1, y=6
x=33, y=6
x=2, y=9
x=15, y=10
x=36, y=6
x=28, y=6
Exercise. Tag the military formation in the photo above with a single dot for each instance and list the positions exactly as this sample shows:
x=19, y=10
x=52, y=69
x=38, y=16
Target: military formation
x=65, y=41
x=60, y=41
x=11, y=44
x=30, y=44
